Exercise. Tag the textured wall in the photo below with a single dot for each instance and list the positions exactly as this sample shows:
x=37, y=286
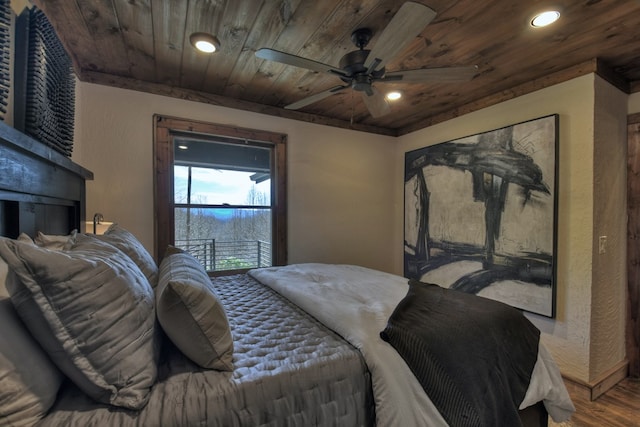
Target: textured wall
x=608, y=306
x=575, y=337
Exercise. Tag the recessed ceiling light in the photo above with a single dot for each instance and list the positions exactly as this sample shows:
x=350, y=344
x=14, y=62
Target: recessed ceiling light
x=205, y=42
x=183, y=147
x=545, y=18
x=394, y=95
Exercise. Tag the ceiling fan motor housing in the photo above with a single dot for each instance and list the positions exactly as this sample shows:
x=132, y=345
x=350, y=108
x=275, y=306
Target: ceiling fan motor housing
x=353, y=64
x=361, y=83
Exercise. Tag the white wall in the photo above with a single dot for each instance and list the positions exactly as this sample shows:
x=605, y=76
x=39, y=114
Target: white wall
x=569, y=335
x=346, y=192
x=339, y=181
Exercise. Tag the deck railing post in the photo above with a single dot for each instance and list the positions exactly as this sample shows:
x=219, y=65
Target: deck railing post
x=213, y=254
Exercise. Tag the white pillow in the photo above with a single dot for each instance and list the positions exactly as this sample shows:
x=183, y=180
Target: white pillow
x=92, y=310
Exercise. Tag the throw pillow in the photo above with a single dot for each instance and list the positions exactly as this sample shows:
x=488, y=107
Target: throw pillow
x=191, y=314
x=130, y=245
x=30, y=381
x=53, y=241
x=91, y=309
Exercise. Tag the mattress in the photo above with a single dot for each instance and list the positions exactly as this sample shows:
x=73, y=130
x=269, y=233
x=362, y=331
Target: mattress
x=367, y=300
x=288, y=370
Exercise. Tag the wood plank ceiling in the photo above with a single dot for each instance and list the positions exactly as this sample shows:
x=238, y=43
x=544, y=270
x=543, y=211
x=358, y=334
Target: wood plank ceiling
x=144, y=45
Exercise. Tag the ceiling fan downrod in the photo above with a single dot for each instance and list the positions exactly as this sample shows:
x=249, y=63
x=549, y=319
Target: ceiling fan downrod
x=361, y=37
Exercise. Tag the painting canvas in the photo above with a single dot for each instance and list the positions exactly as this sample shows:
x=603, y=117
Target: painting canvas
x=480, y=214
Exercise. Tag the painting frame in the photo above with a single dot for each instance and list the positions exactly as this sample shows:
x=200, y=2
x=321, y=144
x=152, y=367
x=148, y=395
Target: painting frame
x=481, y=214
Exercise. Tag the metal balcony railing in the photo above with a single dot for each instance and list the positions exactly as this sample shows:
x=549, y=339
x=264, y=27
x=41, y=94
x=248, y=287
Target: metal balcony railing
x=218, y=255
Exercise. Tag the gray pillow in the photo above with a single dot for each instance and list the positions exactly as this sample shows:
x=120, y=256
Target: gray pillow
x=130, y=245
x=52, y=241
x=190, y=313
x=30, y=381
x=91, y=309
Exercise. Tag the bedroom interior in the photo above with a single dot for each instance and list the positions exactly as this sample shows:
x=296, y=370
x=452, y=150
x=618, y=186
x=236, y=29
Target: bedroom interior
x=345, y=168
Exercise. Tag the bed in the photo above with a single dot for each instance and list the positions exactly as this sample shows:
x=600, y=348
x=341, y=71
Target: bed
x=146, y=343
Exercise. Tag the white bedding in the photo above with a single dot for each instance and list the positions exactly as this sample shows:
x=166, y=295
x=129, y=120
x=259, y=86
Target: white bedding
x=356, y=302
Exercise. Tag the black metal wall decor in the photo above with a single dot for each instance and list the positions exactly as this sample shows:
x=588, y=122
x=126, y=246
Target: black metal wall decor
x=481, y=214
x=45, y=81
x=5, y=56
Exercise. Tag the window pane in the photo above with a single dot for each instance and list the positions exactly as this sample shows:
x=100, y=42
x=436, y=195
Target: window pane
x=225, y=238
x=180, y=189
x=223, y=200
x=218, y=187
x=181, y=144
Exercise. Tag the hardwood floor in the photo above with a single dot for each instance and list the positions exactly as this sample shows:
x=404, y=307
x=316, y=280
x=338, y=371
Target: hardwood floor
x=619, y=407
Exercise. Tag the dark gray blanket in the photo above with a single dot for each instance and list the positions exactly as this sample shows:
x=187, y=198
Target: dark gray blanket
x=473, y=356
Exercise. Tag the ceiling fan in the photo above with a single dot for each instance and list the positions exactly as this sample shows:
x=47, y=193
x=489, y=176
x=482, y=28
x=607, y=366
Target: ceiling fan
x=362, y=68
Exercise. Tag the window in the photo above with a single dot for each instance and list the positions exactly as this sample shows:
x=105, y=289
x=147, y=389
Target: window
x=220, y=194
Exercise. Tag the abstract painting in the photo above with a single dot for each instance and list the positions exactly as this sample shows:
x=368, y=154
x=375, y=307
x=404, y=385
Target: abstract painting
x=480, y=214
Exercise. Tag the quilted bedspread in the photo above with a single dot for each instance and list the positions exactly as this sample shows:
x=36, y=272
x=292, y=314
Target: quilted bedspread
x=288, y=370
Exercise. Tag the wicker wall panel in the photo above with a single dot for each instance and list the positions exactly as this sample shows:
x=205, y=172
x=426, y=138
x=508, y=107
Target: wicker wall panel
x=5, y=56
x=50, y=89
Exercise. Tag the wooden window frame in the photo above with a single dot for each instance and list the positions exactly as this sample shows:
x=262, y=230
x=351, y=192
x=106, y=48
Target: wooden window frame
x=164, y=129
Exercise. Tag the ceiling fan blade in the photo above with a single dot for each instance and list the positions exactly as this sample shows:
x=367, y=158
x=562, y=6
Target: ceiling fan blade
x=297, y=61
x=406, y=24
x=314, y=98
x=376, y=103
x=443, y=74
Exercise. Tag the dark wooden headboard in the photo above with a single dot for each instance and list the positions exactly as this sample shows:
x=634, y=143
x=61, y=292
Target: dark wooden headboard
x=40, y=189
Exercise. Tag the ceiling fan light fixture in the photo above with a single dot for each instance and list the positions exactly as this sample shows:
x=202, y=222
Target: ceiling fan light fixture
x=205, y=42
x=545, y=18
x=394, y=95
